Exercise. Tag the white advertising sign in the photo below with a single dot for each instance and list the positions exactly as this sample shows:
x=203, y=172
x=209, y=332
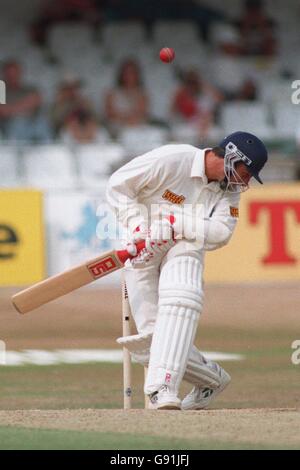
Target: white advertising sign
x=73, y=220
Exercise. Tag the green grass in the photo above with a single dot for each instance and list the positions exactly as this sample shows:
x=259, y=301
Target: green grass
x=46, y=439
x=66, y=386
x=100, y=385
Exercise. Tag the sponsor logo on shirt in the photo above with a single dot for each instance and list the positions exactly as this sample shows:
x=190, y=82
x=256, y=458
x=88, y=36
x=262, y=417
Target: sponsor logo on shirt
x=234, y=211
x=172, y=197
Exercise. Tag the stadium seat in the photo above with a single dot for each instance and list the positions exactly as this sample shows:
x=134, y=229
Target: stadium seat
x=288, y=43
x=14, y=41
x=70, y=37
x=161, y=84
x=146, y=54
x=33, y=62
x=287, y=120
x=121, y=40
x=174, y=33
x=114, y=34
x=97, y=84
x=227, y=72
x=95, y=162
x=142, y=53
x=231, y=8
x=9, y=176
x=283, y=13
x=222, y=33
x=47, y=81
x=160, y=99
x=84, y=65
x=185, y=134
x=192, y=55
x=49, y=167
x=183, y=37
x=251, y=117
x=276, y=91
x=280, y=169
x=142, y=139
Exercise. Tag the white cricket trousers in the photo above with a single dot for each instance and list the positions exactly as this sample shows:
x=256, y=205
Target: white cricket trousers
x=148, y=288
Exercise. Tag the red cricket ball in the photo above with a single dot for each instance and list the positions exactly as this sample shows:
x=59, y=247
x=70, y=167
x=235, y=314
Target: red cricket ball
x=167, y=54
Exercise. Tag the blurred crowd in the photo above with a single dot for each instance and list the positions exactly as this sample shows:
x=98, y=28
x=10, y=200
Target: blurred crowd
x=96, y=12
x=72, y=117
x=255, y=27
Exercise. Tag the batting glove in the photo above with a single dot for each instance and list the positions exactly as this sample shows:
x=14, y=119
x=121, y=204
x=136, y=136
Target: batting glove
x=158, y=240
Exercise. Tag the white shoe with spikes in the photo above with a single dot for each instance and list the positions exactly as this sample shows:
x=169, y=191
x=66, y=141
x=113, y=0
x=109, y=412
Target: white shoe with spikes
x=201, y=397
x=164, y=399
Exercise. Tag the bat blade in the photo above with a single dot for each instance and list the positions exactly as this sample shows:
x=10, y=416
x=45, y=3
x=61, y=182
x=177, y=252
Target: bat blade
x=61, y=284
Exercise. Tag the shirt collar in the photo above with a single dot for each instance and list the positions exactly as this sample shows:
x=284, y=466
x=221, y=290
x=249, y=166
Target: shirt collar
x=198, y=169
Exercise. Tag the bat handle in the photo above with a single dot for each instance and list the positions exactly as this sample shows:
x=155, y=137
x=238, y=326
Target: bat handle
x=123, y=255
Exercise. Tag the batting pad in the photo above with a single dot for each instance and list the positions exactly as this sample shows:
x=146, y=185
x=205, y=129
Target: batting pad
x=138, y=345
x=180, y=304
x=201, y=372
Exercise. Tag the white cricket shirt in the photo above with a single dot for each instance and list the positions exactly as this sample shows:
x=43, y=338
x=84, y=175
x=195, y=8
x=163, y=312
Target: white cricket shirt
x=173, y=175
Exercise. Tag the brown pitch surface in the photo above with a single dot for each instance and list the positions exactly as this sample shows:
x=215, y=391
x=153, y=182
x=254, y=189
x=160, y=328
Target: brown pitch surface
x=273, y=427
x=261, y=405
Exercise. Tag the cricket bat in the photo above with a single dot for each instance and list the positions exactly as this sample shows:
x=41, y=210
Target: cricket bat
x=67, y=281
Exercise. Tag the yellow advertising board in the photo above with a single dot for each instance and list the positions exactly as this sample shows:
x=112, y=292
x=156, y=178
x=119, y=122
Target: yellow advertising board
x=21, y=237
x=266, y=243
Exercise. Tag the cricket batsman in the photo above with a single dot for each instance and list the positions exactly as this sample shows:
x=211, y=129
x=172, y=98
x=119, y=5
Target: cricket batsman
x=182, y=201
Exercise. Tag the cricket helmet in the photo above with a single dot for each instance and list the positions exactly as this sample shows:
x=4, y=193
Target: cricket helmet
x=245, y=147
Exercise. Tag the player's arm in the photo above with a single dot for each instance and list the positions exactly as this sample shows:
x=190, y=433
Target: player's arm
x=212, y=232
x=219, y=227
x=125, y=185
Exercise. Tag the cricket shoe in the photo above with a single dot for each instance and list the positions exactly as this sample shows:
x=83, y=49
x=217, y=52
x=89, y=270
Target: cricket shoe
x=163, y=399
x=200, y=397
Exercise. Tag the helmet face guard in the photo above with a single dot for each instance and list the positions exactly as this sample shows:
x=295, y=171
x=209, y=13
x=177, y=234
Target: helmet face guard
x=232, y=182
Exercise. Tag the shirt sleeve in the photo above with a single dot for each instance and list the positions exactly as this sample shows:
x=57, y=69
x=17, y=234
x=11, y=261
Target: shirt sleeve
x=124, y=187
x=219, y=227
x=212, y=232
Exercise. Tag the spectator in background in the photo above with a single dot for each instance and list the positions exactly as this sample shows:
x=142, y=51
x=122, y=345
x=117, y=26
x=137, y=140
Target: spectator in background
x=127, y=103
x=256, y=30
x=81, y=127
x=195, y=102
x=22, y=118
x=150, y=11
x=68, y=101
x=248, y=91
x=55, y=11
